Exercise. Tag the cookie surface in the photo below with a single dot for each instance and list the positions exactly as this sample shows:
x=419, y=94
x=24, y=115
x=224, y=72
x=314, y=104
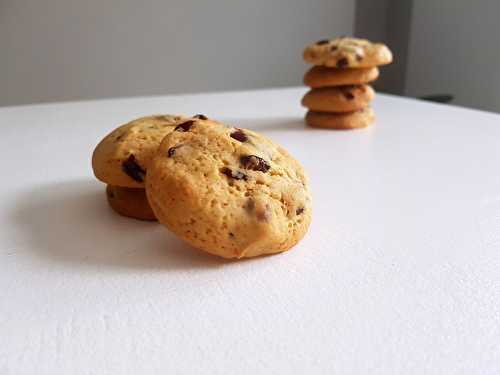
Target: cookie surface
x=339, y=98
x=228, y=191
x=340, y=121
x=347, y=53
x=122, y=157
x=130, y=202
x=321, y=76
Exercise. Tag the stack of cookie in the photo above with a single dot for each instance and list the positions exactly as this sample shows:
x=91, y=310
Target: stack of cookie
x=340, y=95
x=121, y=158
x=228, y=191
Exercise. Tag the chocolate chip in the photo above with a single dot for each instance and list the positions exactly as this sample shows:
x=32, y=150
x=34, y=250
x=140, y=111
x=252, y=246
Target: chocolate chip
x=171, y=151
x=322, y=41
x=333, y=48
x=299, y=211
x=239, y=135
x=201, y=117
x=254, y=163
x=237, y=175
x=111, y=194
x=359, y=57
x=185, y=126
x=342, y=63
x=133, y=170
x=231, y=234
x=348, y=95
x=250, y=205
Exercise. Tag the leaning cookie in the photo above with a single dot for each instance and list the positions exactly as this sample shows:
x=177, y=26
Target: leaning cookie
x=320, y=76
x=130, y=202
x=123, y=156
x=347, y=53
x=339, y=99
x=340, y=121
x=230, y=192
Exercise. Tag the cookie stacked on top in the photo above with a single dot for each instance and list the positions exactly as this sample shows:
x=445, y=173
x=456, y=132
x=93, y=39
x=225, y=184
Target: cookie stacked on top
x=340, y=95
x=225, y=190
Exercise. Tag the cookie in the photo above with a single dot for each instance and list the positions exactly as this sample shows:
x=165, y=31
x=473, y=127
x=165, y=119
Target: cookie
x=347, y=120
x=227, y=191
x=123, y=156
x=339, y=98
x=320, y=76
x=130, y=202
x=347, y=53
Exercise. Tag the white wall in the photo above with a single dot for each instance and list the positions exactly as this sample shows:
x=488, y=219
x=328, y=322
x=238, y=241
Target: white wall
x=76, y=49
x=455, y=48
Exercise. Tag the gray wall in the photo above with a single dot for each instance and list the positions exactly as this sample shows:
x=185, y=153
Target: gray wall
x=455, y=48
x=77, y=49
x=387, y=21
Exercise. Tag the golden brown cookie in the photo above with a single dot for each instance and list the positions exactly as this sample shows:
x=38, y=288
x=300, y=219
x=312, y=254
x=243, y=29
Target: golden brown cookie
x=338, y=99
x=340, y=121
x=347, y=52
x=228, y=191
x=123, y=156
x=320, y=76
x=130, y=202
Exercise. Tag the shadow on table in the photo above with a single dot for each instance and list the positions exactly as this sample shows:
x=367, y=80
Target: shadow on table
x=71, y=222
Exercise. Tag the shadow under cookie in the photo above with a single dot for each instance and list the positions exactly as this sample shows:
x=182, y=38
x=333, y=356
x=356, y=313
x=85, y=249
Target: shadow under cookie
x=70, y=222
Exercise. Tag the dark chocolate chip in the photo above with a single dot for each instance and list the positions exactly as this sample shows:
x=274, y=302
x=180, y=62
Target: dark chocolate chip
x=322, y=41
x=333, y=48
x=342, y=63
x=254, y=163
x=239, y=135
x=348, y=95
x=201, y=117
x=171, y=151
x=359, y=57
x=133, y=170
x=299, y=211
x=250, y=205
x=231, y=234
x=185, y=126
x=237, y=175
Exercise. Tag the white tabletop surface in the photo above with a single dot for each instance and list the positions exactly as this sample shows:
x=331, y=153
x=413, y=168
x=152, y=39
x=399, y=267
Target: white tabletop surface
x=399, y=273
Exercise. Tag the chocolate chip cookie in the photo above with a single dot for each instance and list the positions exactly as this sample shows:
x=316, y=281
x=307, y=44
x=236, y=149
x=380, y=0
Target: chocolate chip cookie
x=130, y=202
x=341, y=121
x=321, y=76
x=347, y=53
x=121, y=160
x=228, y=191
x=339, y=98
x=123, y=156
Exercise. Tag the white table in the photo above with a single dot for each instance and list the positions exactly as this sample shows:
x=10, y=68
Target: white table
x=399, y=273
